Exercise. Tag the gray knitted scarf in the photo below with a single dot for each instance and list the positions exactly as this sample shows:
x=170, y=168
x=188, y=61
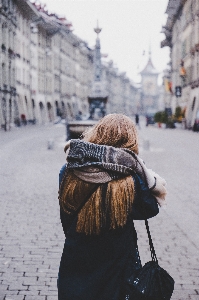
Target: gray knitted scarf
x=100, y=163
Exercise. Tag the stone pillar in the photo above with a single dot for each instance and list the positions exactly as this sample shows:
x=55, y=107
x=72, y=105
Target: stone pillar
x=5, y=112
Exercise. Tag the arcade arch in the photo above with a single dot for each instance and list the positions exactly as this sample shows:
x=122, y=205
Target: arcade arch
x=50, y=111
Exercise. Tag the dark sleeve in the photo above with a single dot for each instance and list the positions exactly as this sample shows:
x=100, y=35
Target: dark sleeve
x=145, y=205
x=61, y=173
x=66, y=219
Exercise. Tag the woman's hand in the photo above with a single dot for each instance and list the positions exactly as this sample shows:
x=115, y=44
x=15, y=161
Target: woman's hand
x=159, y=189
x=67, y=146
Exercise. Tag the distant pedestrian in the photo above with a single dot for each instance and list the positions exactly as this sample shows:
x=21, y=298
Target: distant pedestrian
x=104, y=187
x=23, y=119
x=137, y=121
x=78, y=116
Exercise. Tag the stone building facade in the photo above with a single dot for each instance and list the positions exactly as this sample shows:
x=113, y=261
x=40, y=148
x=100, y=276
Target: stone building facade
x=8, y=101
x=25, y=62
x=46, y=71
x=182, y=36
x=123, y=95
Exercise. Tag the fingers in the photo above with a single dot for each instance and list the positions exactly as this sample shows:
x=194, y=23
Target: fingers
x=67, y=146
x=161, y=201
x=159, y=190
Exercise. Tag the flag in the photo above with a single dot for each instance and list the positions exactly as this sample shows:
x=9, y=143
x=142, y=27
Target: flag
x=170, y=87
x=166, y=85
x=182, y=71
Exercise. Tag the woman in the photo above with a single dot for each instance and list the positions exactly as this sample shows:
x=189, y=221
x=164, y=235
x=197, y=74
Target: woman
x=104, y=187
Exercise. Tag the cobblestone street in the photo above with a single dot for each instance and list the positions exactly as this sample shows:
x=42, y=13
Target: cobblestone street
x=31, y=236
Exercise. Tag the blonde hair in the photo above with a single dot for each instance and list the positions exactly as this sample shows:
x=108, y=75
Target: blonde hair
x=119, y=200
x=115, y=130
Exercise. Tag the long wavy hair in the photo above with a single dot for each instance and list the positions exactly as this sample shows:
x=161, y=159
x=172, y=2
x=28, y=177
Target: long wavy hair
x=115, y=130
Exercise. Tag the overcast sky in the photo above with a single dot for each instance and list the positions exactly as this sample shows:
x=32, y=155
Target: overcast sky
x=128, y=27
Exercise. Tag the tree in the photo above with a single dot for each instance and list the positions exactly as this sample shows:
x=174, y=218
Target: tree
x=161, y=117
x=157, y=117
x=178, y=114
x=164, y=117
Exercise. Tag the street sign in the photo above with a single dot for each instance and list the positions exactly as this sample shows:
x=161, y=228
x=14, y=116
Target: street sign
x=178, y=91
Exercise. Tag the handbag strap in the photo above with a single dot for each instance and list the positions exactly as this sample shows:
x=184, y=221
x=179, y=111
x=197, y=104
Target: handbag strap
x=152, y=249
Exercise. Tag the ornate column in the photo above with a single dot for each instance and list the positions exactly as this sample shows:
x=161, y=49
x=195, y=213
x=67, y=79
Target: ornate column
x=98, y=96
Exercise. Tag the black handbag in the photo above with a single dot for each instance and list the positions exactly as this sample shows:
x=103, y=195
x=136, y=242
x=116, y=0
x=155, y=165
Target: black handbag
x=150, y=282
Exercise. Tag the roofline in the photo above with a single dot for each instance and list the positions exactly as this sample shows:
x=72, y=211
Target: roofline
x=31, y=7
x=173, y=9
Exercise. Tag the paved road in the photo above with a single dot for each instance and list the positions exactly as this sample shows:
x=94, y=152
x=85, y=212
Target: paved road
x=31, y=236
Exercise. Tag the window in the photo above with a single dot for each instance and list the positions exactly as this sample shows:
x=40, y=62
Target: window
x=33, y=103
x=4, y=74
x=4, y=33
x=193, y=104
x=184, y=48
x=41, y=106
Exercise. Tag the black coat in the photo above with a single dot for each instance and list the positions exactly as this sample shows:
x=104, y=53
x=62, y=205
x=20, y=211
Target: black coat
x=96, y=267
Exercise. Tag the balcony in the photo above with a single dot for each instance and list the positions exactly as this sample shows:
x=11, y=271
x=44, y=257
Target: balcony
x=192, y=51
x=11, y=53
x=197, y=47
x=195, y=84
x=166, y=43
x=3, y=48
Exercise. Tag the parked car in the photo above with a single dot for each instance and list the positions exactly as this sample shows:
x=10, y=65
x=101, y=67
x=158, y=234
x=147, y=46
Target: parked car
x=150, y=118
x=196, y=122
